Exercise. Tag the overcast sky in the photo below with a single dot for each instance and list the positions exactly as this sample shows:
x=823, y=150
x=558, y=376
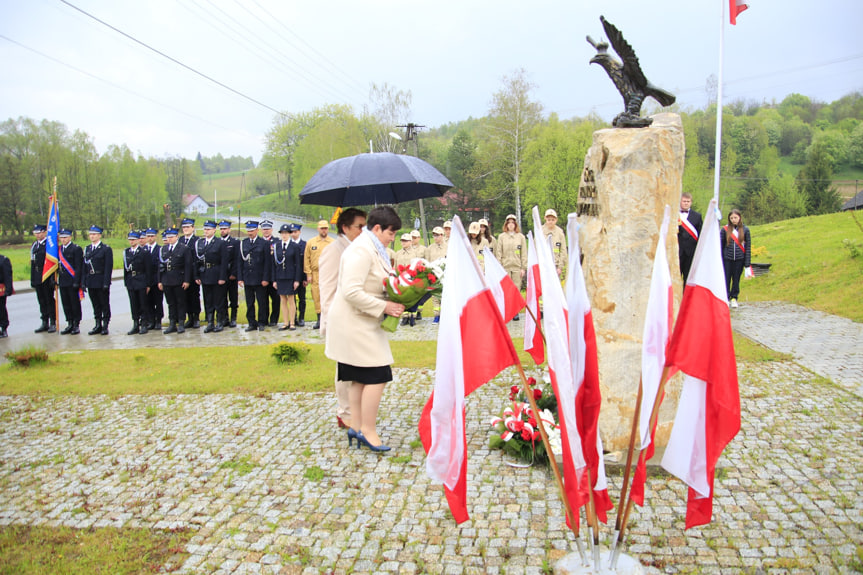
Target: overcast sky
x=60, y=64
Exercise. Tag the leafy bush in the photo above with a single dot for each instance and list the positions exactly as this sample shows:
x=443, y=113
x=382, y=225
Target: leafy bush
x=27, y=356
x=290, y=353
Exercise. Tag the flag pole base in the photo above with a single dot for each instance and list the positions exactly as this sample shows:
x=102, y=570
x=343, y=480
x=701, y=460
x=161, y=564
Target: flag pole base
x=573, y=564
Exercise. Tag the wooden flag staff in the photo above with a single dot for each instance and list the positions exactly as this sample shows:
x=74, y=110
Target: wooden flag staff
x=626, y=470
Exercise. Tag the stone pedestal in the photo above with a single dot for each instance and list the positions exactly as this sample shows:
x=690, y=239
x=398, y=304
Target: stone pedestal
x=572, y=564
x=629, y=176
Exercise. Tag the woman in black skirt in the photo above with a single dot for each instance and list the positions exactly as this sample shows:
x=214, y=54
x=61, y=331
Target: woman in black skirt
x=355, y=338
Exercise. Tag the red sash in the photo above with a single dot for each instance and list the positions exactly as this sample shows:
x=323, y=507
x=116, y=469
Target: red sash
x=687, y=225
x=735, y=238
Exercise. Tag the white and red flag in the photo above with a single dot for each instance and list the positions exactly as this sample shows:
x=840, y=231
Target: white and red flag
x=657, y=331
x=585, y=374
x=708, y=412
x=737, y=6
x=464, y=363
x=506, y=293
x=532, y=335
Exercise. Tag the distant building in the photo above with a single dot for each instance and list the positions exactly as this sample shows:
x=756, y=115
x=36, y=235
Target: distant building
x=195, y=204
x=855, y=203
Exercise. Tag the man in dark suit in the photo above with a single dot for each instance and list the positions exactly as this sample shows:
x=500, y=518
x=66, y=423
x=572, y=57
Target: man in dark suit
x=71, y=272
x=231, y=291
x=301, y=290
x=98, y=265
x=272, y=294
x=137, y=270
x=175, y=277
x=7, y=288
x=254, y=270
x=193, y=294
x=688, y=229
x=213, y=261
x=154, y=312
x=44, y=289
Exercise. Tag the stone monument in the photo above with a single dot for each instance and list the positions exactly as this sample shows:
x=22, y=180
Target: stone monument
x=629, y=176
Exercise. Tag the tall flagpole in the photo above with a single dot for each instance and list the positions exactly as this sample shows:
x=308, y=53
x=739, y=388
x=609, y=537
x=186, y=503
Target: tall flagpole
x=718, y=152
x=57, y=270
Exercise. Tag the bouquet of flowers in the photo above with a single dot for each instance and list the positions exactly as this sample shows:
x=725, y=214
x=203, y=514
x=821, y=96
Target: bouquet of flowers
x=517, y=429
x=408, y=284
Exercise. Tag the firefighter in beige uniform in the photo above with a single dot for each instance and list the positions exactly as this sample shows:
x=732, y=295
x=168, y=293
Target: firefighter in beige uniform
x=512, y=251
x=417, y=248
x=554, y=235
x=312, y=254
x=404, y=256
x=436, y=251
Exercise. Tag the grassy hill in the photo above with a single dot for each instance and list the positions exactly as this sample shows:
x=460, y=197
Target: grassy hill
x=817, y=262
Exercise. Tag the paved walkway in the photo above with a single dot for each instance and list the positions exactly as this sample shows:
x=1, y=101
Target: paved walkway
x=269, y=485
x=829, y=345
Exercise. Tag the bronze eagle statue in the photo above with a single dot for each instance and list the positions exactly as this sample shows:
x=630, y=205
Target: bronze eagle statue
x=627, y=77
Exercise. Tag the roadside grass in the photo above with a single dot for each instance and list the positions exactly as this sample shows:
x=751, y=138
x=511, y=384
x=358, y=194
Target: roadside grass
x=746, y=350
x=817, y=263
x=37, y=550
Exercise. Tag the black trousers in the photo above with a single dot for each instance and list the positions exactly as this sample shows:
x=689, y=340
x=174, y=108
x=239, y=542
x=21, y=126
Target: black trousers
x=733, y=271
x=275, y=303
x=215, y=302
x=4, y=315
x=45, y=295
x=175, y=296
x=155, y=311
x=193, y=300
x=301, y=302
x=256, y=294
x=71, y=303
x=138, y=303
x=101, y=300
x=232, y=291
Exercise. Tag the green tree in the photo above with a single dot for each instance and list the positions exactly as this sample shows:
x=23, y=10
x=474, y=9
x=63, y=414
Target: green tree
x=815, y=180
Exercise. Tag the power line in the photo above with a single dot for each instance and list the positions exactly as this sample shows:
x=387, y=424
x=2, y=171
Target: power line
x=174, y=60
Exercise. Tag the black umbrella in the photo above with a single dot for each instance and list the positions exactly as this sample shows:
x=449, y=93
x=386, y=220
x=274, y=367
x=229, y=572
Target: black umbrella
x=371, y=179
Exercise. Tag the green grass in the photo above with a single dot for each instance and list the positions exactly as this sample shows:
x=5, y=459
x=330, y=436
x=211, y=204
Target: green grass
x=246, y=369
x=813, y=264
x=38, y=550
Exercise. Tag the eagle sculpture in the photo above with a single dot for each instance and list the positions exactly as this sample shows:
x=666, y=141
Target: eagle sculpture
x=627, y=77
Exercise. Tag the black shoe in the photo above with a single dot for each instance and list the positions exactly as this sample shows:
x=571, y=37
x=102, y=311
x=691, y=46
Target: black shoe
x=405, y=320
x=196, y=324
x=52, y=327
x=217, y=328
x=273, y=323
x=233, y=323
x=3, y=333
x=419, y=315
x=317, y=325
x=301, y=323
x=251, y=327
x=171, y=328
x=261, y=327
x=143, y=329
x=67, y=330
x=75, y=330
x=283, y=327
x=210, y=328
x=515, y=318
x=133, y=331
x=41, y=328
x=181, y=328
x=188, y=323
x=104, y=328
x=96, y=329
x=413, y=321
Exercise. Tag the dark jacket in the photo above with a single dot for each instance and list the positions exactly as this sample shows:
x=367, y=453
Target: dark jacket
x=74, y=256
x=685, y=242
x=137, y=268
x=731, y=251
x=287, y=264
x=231, y=244
x=212, y=261
x=37, y=262
x=254, y=264
x=191, y=243
x=153, y=250
x=175, y=265
x=98, y=265
x=6, y=275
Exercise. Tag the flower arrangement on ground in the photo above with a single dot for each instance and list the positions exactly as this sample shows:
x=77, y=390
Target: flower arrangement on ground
x=517, y=428
x=408, y=284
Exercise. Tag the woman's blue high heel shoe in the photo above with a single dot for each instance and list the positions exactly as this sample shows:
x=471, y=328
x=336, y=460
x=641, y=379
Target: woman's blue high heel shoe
x=361, y=440
x=351, y=436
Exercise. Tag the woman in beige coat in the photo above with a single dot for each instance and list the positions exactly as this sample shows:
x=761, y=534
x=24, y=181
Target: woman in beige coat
x=360, y=345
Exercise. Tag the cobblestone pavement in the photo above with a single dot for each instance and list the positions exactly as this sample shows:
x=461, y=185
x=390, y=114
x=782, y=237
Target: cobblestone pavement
x=269, y=485
x=829, y=345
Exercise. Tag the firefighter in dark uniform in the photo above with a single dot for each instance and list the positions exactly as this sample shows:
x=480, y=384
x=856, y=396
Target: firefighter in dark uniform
x=254, y=269
x=231, y=292
x=137, y=269
x=154, y=312
x=272, y=293
x=193, y=294
x=213, y=261
x=301, y=290
x=44, y=289
x=287, y=274
x=98, y=265
x=7, y=288
x=71, y=272
x=175, y=278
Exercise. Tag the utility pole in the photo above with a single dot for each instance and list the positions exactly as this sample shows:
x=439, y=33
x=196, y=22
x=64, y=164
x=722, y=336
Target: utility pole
x=411, y=136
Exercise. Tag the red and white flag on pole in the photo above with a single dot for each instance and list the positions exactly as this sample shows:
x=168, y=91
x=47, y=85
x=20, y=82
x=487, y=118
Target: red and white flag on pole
x=657, y=331
x=737, y=6
x=708, y=412
x=506, y=293
x=464, y=363
x=585, y=373
x=532, y=335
